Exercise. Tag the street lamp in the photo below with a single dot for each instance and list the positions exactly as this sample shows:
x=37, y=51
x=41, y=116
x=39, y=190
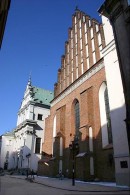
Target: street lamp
x=74, y=146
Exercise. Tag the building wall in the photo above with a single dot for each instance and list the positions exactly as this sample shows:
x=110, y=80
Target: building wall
x=26, y=142
x=99, y=161
x=96, y=163
x=117, y=105
x=6, y=156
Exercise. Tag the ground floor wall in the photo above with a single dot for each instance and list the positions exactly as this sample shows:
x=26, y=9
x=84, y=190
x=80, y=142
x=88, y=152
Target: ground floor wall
x=92, y=161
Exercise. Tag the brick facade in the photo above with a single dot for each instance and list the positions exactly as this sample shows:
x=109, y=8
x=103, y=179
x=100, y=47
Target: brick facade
x=79, y=79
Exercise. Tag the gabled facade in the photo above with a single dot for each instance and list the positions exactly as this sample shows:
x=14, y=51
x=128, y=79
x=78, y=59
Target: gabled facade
x=26, y=147
x=81, y=97
x=85, y=133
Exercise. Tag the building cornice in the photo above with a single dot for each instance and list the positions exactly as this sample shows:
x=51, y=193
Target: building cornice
x=34, y=104
x=108, y=48
x=87, y=75
x=25, y=123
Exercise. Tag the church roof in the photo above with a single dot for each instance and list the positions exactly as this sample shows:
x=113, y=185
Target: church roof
x=42, y=96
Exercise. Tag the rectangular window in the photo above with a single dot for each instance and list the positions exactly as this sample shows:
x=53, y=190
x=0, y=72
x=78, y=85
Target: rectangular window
x=75, y=38
x=85, y=27
x=76, y=48
x=71, y=43
x=82, y=68
x=91, y=32
x=75, y=28
x=79, y=23
x=89, y=23
x=77, y=72
x=39, y=117
x=97, y=28
x=80, y=33
x=87, y=63
x=86, y=38
x=99, y=39
x=71, y=53
x=100, y=48
x=81, y=56
x=83, y=18
x=81, y=47
x=76, y=61
x=72, y=77
x=38, y=145
x=93, y=46
x=86, y=50
x=94, y=58
x=128, y=2
x=75, y=20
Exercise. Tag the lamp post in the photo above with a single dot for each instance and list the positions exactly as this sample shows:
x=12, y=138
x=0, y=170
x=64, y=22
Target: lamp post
x=74, y=146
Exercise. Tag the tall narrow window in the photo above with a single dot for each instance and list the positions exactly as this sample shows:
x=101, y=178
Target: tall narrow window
x=77, y=118
x=38, y=145
x=107, y=108
x=105, y=116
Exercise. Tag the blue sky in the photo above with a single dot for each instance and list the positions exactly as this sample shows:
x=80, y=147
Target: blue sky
x=34, y=38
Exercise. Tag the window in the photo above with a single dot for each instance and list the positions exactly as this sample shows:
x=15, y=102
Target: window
x=93, y=45
x=38, y=145
x=94, y=58
x=39, y=117
x=91, y=32
x=77, y=117
x=97, y=28
x=108, y=116
x=128, y=2
x=106, y=129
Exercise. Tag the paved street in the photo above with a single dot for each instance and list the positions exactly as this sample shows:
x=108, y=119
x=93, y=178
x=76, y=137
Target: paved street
x=11, y=185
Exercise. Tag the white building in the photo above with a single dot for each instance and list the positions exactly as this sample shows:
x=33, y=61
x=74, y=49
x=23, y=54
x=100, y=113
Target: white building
x=117, y=107
x=22, y=148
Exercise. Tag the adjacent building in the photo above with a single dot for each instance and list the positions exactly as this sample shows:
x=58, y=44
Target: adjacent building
x=116, y=16
x=4, y=8
x=22, y=147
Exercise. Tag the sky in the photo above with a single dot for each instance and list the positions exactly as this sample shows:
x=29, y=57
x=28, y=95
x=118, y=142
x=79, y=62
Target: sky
x=33, y=43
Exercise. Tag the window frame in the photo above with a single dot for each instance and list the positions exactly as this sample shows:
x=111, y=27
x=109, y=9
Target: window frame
x=40, y=117
x=38, y=145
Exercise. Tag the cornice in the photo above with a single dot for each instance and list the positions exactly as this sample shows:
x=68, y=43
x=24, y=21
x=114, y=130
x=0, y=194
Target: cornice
x=25, y=123
x=108, y=48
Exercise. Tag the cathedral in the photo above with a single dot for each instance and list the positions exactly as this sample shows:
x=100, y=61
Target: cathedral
x=87, y=113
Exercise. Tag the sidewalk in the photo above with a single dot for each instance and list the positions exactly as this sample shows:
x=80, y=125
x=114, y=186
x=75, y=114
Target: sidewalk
x=66, y=184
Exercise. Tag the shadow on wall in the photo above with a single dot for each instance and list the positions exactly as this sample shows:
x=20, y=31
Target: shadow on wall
x=90, y=164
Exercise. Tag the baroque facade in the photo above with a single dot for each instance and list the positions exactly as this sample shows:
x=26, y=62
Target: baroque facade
x=22, y=147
